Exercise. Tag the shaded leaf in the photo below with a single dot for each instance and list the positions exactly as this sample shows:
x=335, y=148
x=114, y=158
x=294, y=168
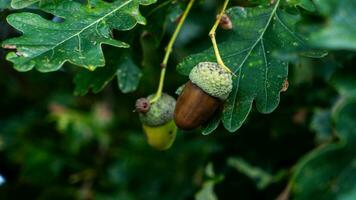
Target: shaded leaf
x=344, y=116
x=321, y=124
x=212, y=124
x=158, y=20
x=344, y=83
x=127, y=73
x=329, y=172
x=5, y=4
x=261, y=177
x=326, y=173
x=95, y=80
x=339, y=30
x=207, y=190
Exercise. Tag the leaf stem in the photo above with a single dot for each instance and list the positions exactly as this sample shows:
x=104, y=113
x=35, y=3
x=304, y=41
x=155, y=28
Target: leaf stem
x=213, y=39
x=169, y=50
x=88, y=4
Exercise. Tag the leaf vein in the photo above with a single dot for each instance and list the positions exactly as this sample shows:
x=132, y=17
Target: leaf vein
x=261, y=35
x=266, y=72
x=85, y=28
x=288, y=30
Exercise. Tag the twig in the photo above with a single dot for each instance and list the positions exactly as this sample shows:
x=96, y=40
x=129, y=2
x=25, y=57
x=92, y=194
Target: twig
x=169, y=50
x=213, y=39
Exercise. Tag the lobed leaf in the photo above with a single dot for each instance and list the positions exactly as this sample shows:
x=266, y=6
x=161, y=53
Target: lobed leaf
x=250, y=50
x=123, y=67
x=46, y=45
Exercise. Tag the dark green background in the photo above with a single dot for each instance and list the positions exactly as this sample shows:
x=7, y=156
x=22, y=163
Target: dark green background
x=55, y=145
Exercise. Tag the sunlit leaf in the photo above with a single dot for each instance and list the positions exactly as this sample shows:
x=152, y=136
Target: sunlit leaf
x=17, y=4
x=46, y=45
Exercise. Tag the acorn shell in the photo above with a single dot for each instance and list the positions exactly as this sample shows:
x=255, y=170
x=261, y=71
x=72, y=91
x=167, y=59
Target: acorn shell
x=194, y=107
x=161, y=137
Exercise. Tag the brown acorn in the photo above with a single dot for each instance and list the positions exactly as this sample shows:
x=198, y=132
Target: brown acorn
x=208, y=87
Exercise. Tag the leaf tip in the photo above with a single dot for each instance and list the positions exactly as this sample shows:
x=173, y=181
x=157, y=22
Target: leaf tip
x=91, y=67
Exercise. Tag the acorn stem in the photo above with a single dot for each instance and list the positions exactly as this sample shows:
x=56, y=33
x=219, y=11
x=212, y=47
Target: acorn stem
x=213, y=39
x=160, y=86
x=169, y=50
x=88, y=4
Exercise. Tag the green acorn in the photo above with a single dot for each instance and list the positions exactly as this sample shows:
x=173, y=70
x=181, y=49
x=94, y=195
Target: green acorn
x=208, y=87
x=157, y=120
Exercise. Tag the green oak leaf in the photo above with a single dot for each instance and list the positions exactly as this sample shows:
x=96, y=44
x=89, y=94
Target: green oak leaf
x=5, y=4
x=94, y=80
x=329, y=172
x=46, y=45
x=207, y=190
x=249, y=50
x=261, y=177
x=211, y=125
x=18, y=4
x=344, y=110
x=344, y=116
x=305, y=4
x=127, y=72
x=339, y=31
x=321, y=124
x=128, y=75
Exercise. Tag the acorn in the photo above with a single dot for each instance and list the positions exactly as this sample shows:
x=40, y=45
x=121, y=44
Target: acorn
x=157, y=120
x=208, y=87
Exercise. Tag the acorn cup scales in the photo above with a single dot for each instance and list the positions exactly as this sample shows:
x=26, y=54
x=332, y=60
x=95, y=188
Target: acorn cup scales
x=207, y=89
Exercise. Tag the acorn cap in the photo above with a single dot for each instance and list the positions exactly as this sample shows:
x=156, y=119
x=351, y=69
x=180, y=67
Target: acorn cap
x=212, y=79
x=160, y=112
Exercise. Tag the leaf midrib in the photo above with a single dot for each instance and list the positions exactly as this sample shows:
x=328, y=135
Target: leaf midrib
x=95, y=22
x=249, y=53
x=260, y=37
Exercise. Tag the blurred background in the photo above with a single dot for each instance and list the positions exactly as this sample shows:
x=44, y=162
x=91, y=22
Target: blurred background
x=56, y=144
